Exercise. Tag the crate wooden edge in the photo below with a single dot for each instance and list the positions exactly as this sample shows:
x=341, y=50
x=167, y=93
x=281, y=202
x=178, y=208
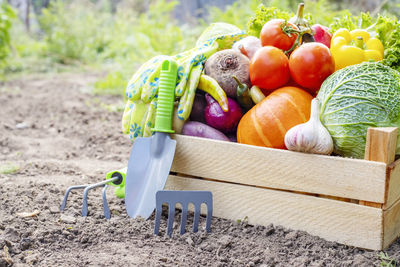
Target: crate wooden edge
x=381, y=144
x=392, y=184
x=265, y=167
x=338, y=221
x=391, y=224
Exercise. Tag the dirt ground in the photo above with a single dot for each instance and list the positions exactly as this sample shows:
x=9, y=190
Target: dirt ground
x=55, y=134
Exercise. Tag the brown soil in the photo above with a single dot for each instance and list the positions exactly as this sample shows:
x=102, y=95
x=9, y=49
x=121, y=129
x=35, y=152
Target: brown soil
x=60, y=135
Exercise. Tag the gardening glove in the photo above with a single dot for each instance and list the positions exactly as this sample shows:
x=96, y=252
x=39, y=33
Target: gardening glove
x=142, y=89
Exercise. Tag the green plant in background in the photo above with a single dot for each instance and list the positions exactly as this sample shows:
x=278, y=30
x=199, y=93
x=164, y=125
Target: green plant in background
x=6, y=15
x=136, y=39
x=114, y=83
x=237, y=14
x=118, y=36
x=75, y=32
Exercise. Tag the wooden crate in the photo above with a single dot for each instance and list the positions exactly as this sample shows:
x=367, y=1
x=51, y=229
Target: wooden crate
x=350, y=201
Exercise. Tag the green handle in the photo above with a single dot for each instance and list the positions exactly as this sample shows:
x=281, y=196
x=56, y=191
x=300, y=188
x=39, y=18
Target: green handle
x=120, y=188
x=165, y=101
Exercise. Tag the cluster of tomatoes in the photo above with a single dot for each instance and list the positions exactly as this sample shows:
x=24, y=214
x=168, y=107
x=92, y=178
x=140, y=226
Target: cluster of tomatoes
x=282, y=59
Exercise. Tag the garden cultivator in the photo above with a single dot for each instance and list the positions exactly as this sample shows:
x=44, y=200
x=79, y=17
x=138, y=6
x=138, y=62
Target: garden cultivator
x=115, y=178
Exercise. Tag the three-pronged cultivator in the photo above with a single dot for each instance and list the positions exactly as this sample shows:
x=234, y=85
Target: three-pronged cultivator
x=115, y=178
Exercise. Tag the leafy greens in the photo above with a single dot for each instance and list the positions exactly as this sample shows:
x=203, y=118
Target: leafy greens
x=262, y=15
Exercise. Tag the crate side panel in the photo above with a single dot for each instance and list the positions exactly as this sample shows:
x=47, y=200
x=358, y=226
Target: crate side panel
x=280, y=169
x=391, y=224
x=393, y=184
x=337, y=221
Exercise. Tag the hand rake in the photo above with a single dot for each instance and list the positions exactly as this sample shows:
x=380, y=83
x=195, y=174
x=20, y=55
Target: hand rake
x=115, y=178
x=184, y=198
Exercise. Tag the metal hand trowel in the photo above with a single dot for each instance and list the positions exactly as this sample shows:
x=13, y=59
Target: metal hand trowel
x=151, y=157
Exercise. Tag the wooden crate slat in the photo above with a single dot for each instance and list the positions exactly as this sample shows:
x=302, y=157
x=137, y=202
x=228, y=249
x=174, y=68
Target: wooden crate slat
x=391, y=224
x=280, y=169
x=393, y=184
x=338, y=221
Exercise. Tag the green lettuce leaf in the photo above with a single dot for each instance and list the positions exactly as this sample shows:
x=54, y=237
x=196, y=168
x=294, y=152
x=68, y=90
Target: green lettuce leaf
x=350, y=22
x=262, y=15
x=387, y=29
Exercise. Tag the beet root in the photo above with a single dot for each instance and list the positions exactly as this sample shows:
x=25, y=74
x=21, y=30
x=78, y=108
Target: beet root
x=227, y=63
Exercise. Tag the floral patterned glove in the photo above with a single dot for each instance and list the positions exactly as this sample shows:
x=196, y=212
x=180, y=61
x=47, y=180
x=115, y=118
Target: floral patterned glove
x=142, y=89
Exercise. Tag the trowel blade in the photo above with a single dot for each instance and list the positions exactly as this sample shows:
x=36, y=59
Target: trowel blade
x=148, y=169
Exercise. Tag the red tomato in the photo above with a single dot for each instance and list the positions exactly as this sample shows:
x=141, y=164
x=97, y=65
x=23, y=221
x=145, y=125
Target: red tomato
x=272, y=34
x=269, y=68
x=310, y=64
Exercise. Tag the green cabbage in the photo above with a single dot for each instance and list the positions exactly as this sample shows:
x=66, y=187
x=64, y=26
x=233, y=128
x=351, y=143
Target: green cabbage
x=356, y=98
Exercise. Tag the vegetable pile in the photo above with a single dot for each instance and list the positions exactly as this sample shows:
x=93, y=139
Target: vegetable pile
x=260, y=86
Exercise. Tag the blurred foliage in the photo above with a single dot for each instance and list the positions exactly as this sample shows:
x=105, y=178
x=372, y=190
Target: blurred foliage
x=6, y=16
x=75, y=32
x=237, y=14
x=118, y=36
x=138, y=38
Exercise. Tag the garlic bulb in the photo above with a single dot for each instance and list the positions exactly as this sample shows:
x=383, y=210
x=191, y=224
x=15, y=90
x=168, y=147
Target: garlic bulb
x=310, y=137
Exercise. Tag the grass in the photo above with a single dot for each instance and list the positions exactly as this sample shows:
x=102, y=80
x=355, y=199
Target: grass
x=386, y=260
x=9, y=168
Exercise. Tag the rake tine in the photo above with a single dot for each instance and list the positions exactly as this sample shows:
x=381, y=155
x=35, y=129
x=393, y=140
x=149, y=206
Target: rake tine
x=107, y=212
x=171, y=215
x=69, y=189
x=209, y=204
x=196, y=217
x=159, y=204
x=184, y=198
x=158, y=218
x=184, y=218
x=85, y=194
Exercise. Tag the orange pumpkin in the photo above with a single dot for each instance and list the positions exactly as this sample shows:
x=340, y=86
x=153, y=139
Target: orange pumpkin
x=267, y=122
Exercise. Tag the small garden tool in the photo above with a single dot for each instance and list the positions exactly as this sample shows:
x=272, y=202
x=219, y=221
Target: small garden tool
x=115, y=178
x=184, y=198
x=151, y=157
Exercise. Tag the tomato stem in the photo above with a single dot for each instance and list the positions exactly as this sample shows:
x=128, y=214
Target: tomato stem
x=288, y=30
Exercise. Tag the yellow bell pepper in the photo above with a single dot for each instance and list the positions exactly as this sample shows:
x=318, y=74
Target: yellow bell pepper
x=353, y=47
